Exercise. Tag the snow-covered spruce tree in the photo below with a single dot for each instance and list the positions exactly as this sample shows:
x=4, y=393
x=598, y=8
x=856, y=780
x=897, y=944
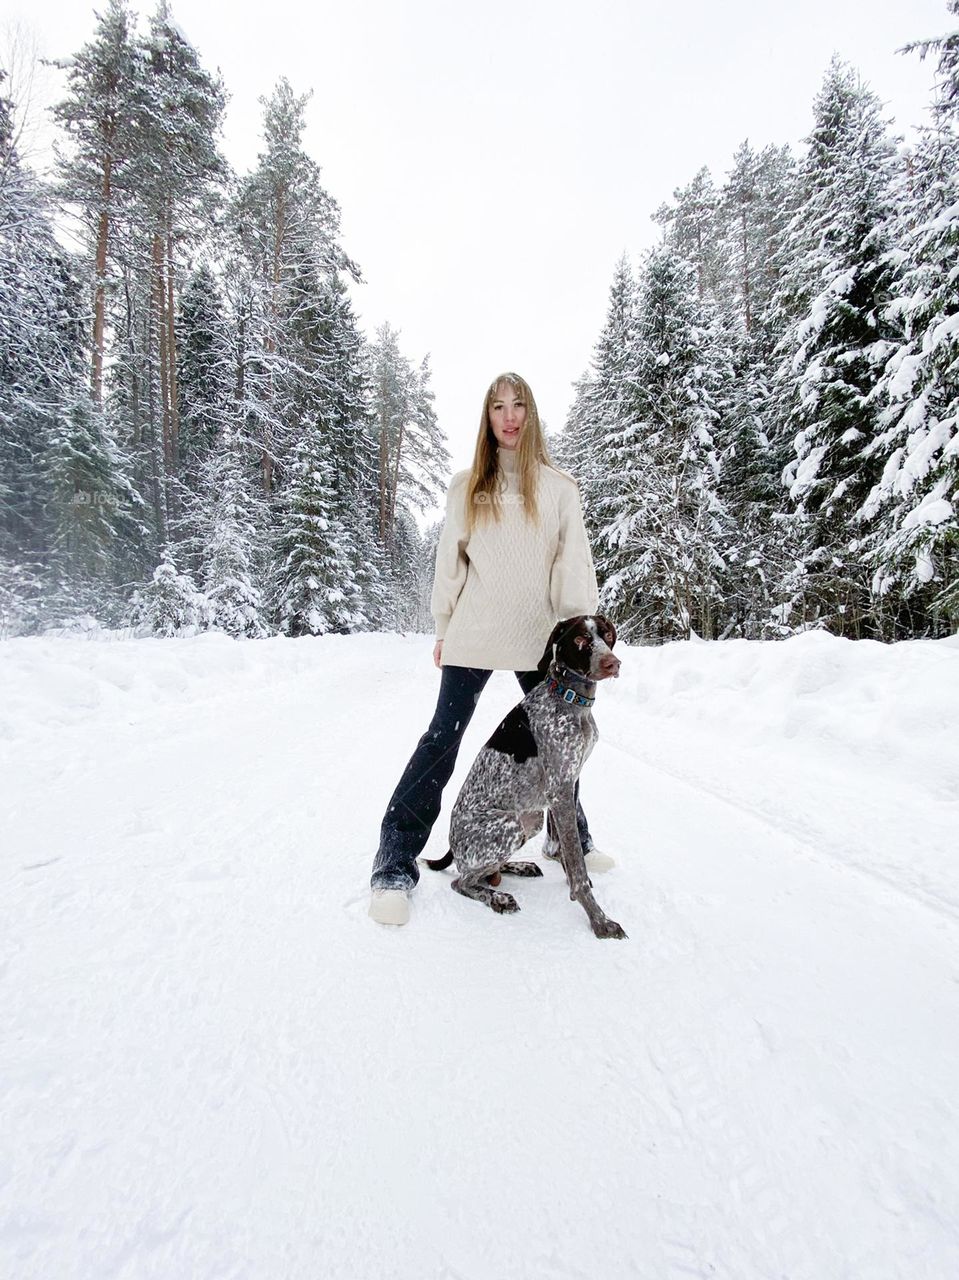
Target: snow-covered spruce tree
x=21, y=591
x=313, y=595
x=92, y=509
x=39, y=348
x=305, y=382
x=413, y=460
x=758, y=549
x=662, y=545
x=67, y=512
x=911, y=516
x=409, y=557
x=207, y=376
x=566, y=445
x=754, y=212
x=835, y=296
x=422, y=585
x=170, y=604
x=225, y=522
x=232, y=521
x=340, y=404
x=322, y=485
x=605, y=402
x=287, y=227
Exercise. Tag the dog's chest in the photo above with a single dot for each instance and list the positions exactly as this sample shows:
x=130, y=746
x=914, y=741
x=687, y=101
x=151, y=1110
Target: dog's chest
x=566, y=738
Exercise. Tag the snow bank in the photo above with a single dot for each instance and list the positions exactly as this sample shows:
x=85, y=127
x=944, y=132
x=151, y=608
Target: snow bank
x=893, y=706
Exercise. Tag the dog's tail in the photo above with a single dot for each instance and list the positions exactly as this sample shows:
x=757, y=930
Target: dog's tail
x=440, y=864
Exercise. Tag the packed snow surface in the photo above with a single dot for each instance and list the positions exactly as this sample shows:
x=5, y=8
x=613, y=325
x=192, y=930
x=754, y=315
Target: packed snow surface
x=214, y=1064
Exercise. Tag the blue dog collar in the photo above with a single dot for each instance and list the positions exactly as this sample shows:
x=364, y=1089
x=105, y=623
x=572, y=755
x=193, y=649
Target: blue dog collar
x=568, y=695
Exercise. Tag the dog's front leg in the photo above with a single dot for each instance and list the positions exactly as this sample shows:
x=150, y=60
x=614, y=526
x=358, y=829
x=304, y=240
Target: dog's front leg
x=563, y=809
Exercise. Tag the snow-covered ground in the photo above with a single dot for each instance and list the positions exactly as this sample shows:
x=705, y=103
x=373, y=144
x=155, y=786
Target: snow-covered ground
x=213, y=1064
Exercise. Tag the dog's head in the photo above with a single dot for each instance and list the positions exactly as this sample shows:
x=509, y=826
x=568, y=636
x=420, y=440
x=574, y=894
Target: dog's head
x=583, y=645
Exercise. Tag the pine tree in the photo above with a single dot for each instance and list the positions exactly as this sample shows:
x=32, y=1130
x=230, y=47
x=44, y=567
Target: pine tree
x=180, y=175
x=754, y=213
x=413, y=458
x=287, y=226
x=91, y=509
x=606, y=400
x=40, y=347
x=207, y=376
x=226, y=522
x=103, y=118
x=837, y=289
x=693, y=229
x=314, y=594
x=413, y=462
x=662, y=543
x=911, y=515
x=69, y=515
x=752, y=216
x=170, y=604
x=232, y=537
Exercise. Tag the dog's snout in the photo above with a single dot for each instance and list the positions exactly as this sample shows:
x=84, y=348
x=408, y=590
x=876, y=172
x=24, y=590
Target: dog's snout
x=609, y=665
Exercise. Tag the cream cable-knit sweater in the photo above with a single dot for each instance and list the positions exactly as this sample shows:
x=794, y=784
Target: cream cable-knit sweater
x=498, y=593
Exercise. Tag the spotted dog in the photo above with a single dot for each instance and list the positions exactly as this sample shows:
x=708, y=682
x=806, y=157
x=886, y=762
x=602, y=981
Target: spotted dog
x=532, y=762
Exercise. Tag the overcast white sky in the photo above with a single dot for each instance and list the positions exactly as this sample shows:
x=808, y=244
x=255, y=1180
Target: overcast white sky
x=493, y=161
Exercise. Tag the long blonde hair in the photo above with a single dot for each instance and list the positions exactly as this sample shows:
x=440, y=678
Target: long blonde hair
x=483, y=493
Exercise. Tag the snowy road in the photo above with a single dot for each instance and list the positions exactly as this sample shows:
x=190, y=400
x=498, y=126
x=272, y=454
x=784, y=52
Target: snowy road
x=214, y=1065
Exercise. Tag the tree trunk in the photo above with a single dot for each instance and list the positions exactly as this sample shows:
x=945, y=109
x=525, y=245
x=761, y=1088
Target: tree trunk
x=171, y=350
x=135, y=423
x=241, y=361
x=160, y=330
x=163, y=361
x=100, y=287
x=270, y=345
x=154, y=448
x=391, y=521
x=747, y=304
x=384, y=465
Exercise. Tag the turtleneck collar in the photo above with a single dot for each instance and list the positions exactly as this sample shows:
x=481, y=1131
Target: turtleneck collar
x=508, y=461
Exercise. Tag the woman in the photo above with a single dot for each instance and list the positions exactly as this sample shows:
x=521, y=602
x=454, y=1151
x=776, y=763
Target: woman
x=512, y=560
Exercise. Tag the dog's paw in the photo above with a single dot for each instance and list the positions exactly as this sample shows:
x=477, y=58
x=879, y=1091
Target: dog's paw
x=607, y=928
x=521, y=869
x=503, y=903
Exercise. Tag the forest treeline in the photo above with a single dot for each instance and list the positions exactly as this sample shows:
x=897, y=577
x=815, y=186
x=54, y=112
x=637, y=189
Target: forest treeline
x=195, y=432
x=767, y=438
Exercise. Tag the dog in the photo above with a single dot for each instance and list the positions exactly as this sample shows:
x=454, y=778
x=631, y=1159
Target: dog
x=531, y=762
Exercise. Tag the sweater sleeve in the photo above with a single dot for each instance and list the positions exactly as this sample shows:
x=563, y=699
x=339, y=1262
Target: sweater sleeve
x=452, y=562
x=572, y=582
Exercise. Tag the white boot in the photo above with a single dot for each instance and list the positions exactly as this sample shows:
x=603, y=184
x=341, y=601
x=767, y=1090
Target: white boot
x=596, y=860
x=390, y=906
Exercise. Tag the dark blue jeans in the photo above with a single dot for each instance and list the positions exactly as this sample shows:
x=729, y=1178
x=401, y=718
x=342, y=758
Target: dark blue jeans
x=415, y=804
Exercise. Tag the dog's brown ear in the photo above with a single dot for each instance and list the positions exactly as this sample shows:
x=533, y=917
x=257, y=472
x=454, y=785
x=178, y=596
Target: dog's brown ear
x=605, y=626
x=547, y=657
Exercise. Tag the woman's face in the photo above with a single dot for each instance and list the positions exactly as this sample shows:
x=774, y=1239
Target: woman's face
x=507, y=415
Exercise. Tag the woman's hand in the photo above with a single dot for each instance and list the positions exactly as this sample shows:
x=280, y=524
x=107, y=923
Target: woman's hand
x=437, y=653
